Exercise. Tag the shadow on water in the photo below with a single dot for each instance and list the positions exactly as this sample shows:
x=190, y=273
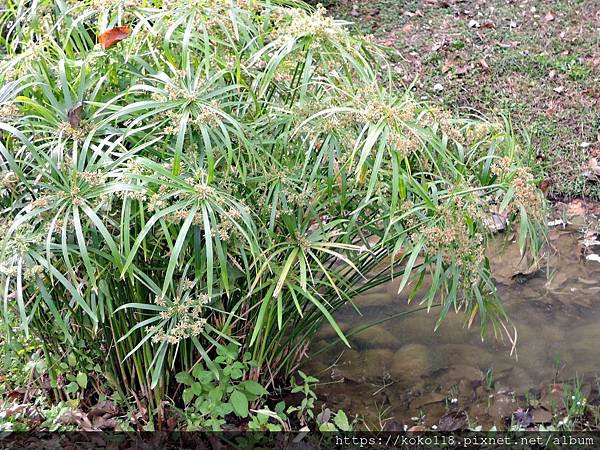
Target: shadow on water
x=402, y=369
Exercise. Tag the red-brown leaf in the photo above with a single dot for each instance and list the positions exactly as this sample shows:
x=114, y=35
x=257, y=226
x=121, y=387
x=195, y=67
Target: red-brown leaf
x=545, y=185
x=75, y=114
x=112, y=36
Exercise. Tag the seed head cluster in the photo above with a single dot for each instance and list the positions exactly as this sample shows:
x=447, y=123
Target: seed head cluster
x=9, y=112
x=185, y=316
x=77, y=134
x=8, y=179
x=527, y=195
x=295, y=23
x=96, y=178
x=457, y=244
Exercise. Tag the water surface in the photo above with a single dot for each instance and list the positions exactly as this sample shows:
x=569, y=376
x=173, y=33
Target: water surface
x=400, y=369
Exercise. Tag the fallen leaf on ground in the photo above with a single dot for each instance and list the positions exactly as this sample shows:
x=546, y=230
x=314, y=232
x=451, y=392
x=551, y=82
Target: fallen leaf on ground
x=446, y=67
x=496, y=222
x=14, y=410
x=435, y=47
x=545, y=185
x=16, y=393
x=506, y=44
x=78, y=418
x=104, y=407
x=453, y=421
x=542, y=416
x=113, y=36
x=408, y=28
x=171, y=423
x=527, y=273
x=592, y=171
x=105, y=422
x=576, y=208
x=549, y=17
x=462, y=70
x=484, y=64
x=590, y=241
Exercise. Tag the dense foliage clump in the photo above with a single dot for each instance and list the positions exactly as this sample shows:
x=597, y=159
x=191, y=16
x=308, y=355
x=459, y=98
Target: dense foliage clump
x=228, y=173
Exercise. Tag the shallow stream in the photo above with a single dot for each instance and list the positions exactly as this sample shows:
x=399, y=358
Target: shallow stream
x=401, y=370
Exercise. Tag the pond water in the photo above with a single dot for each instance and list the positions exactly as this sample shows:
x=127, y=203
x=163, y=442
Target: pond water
x=400, y=369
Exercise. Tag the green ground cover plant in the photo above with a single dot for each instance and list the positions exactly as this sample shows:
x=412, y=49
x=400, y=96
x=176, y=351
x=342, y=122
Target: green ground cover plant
x=217, y=178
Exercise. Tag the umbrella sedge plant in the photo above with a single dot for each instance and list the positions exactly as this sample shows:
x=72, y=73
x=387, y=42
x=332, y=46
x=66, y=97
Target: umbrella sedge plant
x=221, y=172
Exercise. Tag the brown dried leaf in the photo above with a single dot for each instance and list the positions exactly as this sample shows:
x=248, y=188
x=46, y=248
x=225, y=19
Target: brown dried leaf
x=14, y=410
x=408, y=28
x=541, y=416
x=545, y=185
x=462, y=70
x=438, y=45
x=576, y=208
x=453, y=421
x=78, y=418
x=527, y=272
x=113, y=36
x=104, y=407
x=592, y=171
x=105, y=422
x=171, y=423
x=75, y=114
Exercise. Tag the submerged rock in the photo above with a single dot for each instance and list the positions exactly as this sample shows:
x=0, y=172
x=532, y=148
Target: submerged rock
x=375, y=337
x=364, y=366
x=515, y=378
x=503, y=405
x=457, y=373
x=411, y=362
x=471, y=355
x=427, y=399
x=369, y=300
x=552, y=396
x=329, y=334
x=541, y=416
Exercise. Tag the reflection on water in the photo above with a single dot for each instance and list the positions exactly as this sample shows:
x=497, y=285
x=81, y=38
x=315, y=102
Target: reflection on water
x=402, y=367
